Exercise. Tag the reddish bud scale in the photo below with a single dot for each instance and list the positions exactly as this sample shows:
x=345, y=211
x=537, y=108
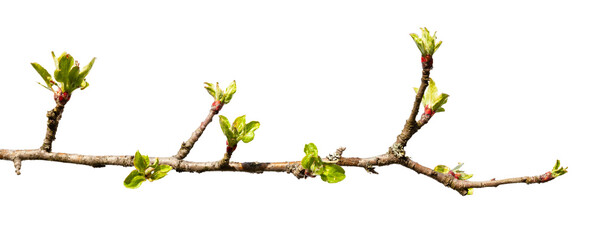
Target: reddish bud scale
x=230, y=149
x=217, y=105
x=426, y=62
x=546, y=177
x=455, y=175
x=428, y=111
x=61, y=97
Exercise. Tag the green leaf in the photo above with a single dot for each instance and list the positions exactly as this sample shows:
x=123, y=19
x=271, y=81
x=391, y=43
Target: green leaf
x=333, y=173
x=556, y=165
x=557, y=170
x=84, y=85
x=44, y=74
x=210, y=89
x=229, y=92
x=163, y=168
x=141, y=162
x=470, y=191
x=73, y=79
x=66, y=61
x=440, y=100
x=310, y=148
x=55, y=61
x=465, y=176
x=156, y=163
x=457, y=167
x=239, y=125
x=134, y=179
x=224, y=123
x=249, y=131
x=160, y=172
x=218, y=92
x=431, y=93
x=84, y=72
x=317, y=166
x=225, y=127
x=307, y=161
x=426, y=43
x=442, y=169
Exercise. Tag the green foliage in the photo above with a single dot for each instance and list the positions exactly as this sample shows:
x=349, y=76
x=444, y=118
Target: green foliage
x=220, y=95
x=557, y=170
x=68, y=75
x=442, y=169
x=432, y=100
x=426, y=43
x=455, y=172
x=328, y=172
x=239, y=130
x=144, y=171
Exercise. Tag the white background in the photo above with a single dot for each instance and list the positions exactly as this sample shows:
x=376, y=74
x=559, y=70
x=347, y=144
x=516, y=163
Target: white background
x=336, y=73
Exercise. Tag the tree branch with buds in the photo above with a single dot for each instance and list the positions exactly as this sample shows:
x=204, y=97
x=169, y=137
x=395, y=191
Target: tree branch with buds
x=69, y=77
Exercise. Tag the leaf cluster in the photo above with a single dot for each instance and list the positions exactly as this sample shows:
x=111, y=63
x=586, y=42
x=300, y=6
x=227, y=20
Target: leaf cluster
x=426, y=43
x=239, y=130
x=329, y=172
x=67, y=73
x=220, y=95
x=456, y=173
x=145, y=171
x=557, y=170
x=432, y=99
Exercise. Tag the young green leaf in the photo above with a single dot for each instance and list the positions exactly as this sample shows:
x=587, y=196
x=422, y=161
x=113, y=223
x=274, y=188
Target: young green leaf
x=457, y=167
x=557, y=170
x=239, y=125
x=465, y=176
x=55, y=61
x=442, y=169
x=218, y=92
x=73, y=79
x=134, y=179
x=333, y=173
x=160, y=172
x=225, y=127
x=426, y=43
x=249, y=131
x=84, y=72
x=140, y=162
x=310, y=148
x=470, y=191
x=317, y=166
x=66, y=62
x=210, y=89
x=432, y=99
x=84, y=85
x=307, y=161
x=229, y=92
x=44, y=74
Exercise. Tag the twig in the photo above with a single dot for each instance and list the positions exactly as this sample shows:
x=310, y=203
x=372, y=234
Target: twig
x=186, y=147
x=53, y=117
x=411, y=126
x=17, y=164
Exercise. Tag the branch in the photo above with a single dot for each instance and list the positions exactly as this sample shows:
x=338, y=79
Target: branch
x=312, y=165
x=294, y=167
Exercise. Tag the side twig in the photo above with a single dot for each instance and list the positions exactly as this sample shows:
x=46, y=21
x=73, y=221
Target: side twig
x=186, y=147
x=53, y=117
